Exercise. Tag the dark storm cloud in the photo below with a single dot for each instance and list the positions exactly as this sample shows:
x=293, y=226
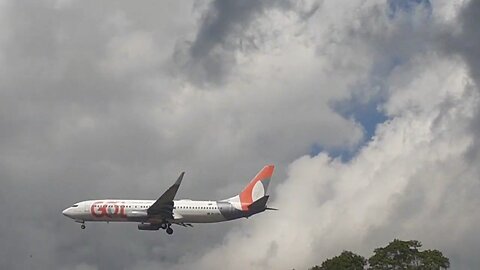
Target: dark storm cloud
x=469, y=38
x=70, y=132
x=209, y=59
x=465, y=43
x=75, y=125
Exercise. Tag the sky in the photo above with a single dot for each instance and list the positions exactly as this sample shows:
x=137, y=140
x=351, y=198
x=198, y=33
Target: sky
x=370, y=111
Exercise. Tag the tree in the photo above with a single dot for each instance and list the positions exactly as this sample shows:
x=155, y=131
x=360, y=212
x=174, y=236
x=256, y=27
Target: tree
x=434, y=259
x=345, y=261
x=397, y=255
x=404, y=255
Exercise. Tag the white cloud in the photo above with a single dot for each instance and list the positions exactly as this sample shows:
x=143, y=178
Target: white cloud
x=133, y=52
x=405, y=183
x=89, y=134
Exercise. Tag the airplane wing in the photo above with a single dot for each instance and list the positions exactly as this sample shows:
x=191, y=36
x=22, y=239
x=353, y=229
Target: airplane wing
x=163, y=207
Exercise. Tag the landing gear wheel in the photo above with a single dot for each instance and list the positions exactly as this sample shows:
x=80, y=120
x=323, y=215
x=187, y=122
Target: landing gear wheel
x=169, y=230
x=83, y=226
x=163, y=226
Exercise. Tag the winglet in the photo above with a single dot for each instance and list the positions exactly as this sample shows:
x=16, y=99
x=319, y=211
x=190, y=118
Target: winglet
x=180, y=178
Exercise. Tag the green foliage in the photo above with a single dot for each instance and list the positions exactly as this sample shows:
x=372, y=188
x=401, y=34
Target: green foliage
x=434, y=259
x=397, y=255
x=346, y=260
x=404, y=255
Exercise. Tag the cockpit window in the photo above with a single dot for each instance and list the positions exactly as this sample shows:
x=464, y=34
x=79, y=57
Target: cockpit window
x=75, y=205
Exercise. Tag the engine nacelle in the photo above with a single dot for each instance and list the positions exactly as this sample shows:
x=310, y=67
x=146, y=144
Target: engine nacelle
x=148, y=227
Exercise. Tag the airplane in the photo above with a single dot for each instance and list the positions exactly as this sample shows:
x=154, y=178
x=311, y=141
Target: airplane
x=161, y=214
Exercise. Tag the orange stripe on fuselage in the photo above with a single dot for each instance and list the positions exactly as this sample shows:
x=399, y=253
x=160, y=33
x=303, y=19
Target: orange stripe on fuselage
x=246, y=194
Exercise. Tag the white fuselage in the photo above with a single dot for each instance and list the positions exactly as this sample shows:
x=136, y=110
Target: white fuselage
x=111, y=210
x=165, y=211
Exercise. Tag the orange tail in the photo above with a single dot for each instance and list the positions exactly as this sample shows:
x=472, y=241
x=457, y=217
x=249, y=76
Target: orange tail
x=257, y=188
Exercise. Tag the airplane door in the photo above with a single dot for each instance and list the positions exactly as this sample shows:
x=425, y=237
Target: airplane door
x=86, y=207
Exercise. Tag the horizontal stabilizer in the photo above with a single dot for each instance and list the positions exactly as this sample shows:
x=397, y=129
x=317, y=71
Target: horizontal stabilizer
x=258, y=205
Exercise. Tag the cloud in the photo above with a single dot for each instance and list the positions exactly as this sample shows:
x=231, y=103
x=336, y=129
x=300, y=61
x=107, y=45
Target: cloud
x=468, y=36
x=134, y=52
x=225, y=29
x=78, y=121
x=412, y=181
x=209, y=57
x=109, y=101
x=463, y=43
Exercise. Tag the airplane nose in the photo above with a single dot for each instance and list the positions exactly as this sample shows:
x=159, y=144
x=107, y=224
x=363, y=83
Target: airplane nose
x=65, y=212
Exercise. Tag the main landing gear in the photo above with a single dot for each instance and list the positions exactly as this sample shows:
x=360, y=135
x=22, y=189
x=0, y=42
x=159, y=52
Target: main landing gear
x=83, y=227
x=167, y=227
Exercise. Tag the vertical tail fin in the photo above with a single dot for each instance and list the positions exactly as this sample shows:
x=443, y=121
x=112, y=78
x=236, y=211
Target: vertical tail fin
x=257, y=188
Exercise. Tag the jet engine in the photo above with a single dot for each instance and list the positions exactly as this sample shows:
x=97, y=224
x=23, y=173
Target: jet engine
x=148, y=227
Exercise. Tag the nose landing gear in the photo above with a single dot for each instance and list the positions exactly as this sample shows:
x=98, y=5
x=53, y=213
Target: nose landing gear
x=169, y=230
x=82, y=222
